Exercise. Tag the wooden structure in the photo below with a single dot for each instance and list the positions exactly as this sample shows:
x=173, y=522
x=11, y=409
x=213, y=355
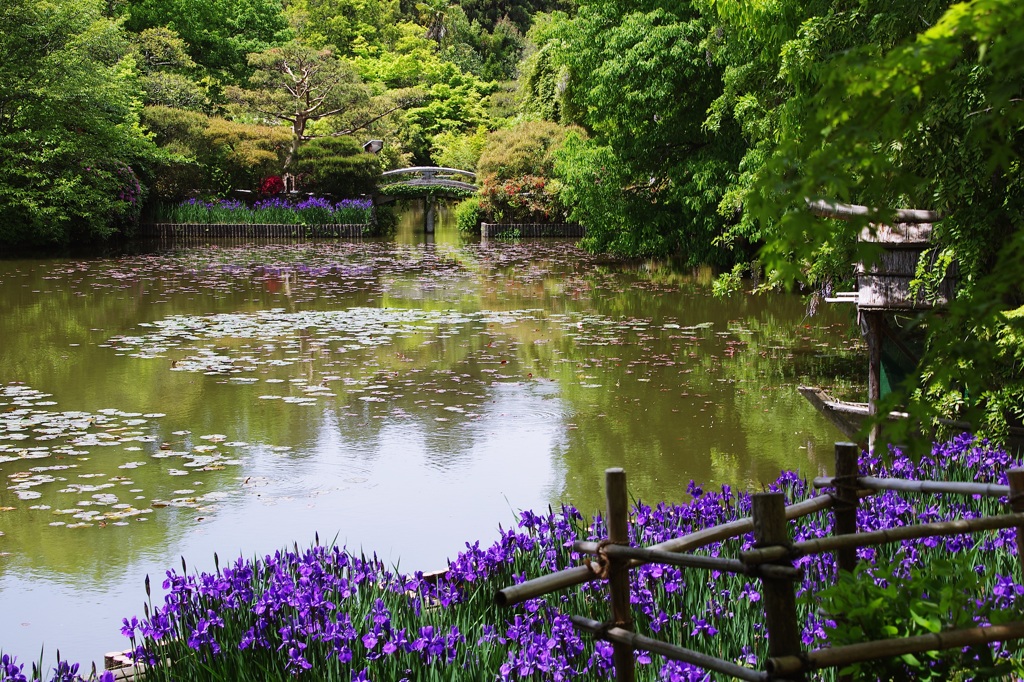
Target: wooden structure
x=884, y=287
x=771, y=561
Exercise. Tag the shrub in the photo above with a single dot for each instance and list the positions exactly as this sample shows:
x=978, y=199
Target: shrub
x=468, y=215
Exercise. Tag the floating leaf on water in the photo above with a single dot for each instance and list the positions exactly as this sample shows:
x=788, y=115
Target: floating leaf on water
x=131, y=465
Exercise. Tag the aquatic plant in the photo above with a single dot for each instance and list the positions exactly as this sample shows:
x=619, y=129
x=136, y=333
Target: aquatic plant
x=273, y=210
x=342, y=616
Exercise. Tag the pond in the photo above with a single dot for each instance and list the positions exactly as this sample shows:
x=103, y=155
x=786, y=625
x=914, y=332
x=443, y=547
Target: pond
x=401, y=396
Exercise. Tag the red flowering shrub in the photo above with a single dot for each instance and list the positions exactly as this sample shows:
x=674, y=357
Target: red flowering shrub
x=522, y=199
x=272, y=184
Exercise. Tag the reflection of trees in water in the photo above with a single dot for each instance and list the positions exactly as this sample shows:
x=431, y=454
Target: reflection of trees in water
x=603, y=386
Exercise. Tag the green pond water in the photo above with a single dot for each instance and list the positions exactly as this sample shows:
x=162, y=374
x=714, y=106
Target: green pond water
x=402, y=396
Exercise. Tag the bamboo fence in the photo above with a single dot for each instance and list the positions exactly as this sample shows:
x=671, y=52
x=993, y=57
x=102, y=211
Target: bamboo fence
x=771, y=562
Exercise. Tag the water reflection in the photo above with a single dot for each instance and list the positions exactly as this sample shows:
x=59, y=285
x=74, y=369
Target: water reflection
x=404, y=396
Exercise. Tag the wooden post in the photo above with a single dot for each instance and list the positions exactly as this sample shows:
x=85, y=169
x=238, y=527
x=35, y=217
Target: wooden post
x=430, y=206
x=845, y=509
x=779, y=595
x=1016, y=478
x=873, y=321
x=618, y=571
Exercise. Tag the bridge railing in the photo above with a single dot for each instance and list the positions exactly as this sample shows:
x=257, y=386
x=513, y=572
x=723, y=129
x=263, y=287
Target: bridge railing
x=429, y=171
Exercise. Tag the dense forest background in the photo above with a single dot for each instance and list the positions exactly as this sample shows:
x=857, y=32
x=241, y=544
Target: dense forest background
x=693, y=129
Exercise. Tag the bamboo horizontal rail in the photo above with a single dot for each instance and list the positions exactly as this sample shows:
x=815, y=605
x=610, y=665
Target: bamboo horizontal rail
x=912, y=486
x=552, y=582
x=676, y=653
x=577, y=575
x=882, y=537
x=656, y=556
x=834, y=657
x=834, y=209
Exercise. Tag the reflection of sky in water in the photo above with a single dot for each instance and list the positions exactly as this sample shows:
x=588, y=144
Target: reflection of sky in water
x=236, y=400
x=414, y=495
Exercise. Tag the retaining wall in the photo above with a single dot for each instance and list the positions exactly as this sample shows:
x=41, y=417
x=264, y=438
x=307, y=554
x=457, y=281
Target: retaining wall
x=511, y=230
x=228, y=230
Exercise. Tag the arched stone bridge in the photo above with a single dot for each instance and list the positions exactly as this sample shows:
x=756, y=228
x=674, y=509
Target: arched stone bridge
x=428, y=183
x=430, y=176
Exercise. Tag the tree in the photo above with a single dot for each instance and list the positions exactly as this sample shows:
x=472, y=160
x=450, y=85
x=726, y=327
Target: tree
x=350, y=27
x=212, y=153
x=338, y=166
x=166, y=69
x=69, y=135
x=650, y=179
x=219, y=33
x=298, y=84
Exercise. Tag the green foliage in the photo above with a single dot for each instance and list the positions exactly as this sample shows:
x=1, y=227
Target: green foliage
x=651, y=178
x=489, y=13
x=527, y=148
x=543, y=77
x=298, y=85
x=403, y=191
x=468, y=215
x=337, y=166
x=517, y=166
x=211, y=153
x=459, y=150
x=70, y=144
x=168, y=71
x=219, y=33
x=934, y=122
x=878, y=602
x=349, y=26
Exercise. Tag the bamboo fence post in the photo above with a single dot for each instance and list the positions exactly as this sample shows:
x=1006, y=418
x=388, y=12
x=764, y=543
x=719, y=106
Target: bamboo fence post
x=846, y=501
x=781, y=621
x=1016, y=479
x=618, y=571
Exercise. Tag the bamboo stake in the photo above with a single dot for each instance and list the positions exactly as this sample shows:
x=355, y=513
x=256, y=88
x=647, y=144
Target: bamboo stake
x=1016, y=478
x=618, y=572
x=770, y=529
x=911, y=486
x=845, y=508
x=883, y=537
x=654, y=556
x=676, y=653
x=577, y=575
x=833, y=657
